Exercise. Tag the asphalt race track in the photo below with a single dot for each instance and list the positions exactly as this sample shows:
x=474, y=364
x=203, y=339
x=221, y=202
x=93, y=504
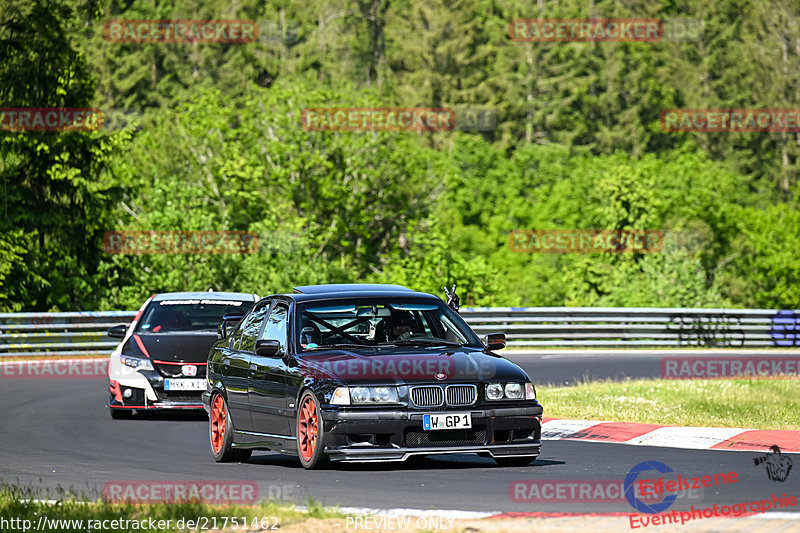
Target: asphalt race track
x=57, y=434
x=566, y=366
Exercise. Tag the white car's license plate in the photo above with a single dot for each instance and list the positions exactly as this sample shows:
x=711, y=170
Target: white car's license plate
x=446, y=421
x=184, y=384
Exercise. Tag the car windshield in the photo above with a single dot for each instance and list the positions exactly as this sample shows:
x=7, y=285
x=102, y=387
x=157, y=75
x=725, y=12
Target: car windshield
x=377, y=322
x=167, y=316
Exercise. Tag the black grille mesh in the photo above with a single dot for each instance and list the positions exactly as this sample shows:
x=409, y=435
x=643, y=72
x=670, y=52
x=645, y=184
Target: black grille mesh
x=179, y=396
x=448, y=437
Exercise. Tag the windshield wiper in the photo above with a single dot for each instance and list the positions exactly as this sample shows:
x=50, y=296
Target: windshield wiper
x=425, y=342
x=329, y=346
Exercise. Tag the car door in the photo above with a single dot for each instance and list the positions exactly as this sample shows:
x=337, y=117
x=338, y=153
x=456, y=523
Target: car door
x=267, y=379
x=236, y=366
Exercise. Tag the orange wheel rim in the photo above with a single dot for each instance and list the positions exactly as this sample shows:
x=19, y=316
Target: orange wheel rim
x=307, y=429
x=217, y=423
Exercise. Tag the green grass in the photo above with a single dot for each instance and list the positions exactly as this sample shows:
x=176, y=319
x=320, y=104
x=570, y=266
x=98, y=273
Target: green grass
x=23, y=504
x=752, y=404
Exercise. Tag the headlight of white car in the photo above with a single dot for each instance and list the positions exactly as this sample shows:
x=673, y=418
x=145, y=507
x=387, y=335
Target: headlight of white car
x=136, y=363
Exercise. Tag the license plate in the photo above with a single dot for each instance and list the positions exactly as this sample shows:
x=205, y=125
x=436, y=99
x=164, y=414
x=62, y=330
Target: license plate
x=184, y=384
x=446, y=421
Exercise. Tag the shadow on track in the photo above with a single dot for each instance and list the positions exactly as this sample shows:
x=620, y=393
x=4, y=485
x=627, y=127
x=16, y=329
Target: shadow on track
x=171, y=416
x=442, y=462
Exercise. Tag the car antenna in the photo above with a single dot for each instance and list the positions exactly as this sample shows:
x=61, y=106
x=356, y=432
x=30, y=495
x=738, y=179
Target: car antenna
x=453, y=300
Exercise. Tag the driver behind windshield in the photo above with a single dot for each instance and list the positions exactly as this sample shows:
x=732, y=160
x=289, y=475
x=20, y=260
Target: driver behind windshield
x=400, y=326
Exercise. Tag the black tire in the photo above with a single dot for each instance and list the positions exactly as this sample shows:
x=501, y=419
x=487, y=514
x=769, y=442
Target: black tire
x=220, y=431
x=121, y=414
x=317, y=457
x=515, y=461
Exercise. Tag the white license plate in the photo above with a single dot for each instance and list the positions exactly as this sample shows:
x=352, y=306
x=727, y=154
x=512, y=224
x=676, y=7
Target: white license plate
x=184, y=384
x=446, y=421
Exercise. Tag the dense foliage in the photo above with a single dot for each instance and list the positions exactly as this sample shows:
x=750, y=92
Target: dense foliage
x=208, y=136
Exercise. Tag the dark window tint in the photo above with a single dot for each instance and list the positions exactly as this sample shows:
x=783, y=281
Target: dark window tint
x=251, y=326
x=169, y=316
x=276, y=326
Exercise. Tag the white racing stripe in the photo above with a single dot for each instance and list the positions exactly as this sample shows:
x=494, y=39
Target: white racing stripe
x=562, y=429
x=685, y=437
x=773, y=516
x=476, y=515
x=427, y=513
x=661, y=352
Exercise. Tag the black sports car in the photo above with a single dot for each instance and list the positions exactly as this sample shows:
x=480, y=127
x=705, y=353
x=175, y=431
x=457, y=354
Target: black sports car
x=161, y=361
x=365, y=373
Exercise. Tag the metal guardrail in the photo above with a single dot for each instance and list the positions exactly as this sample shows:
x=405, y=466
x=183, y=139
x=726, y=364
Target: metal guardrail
x=59, y=334
x=638, y=326
x=84, y=333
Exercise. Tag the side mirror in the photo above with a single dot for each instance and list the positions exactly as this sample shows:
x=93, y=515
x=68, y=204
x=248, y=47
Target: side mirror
x=268, y=347
x=118, y=331
x=495, y=341
x=228, y=323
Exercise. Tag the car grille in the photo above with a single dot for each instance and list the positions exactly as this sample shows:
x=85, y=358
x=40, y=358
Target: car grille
x=431, y=396
x=174, y=371
x=460, y=395
x=434, y=395
x=179, y=396
x=450, y=437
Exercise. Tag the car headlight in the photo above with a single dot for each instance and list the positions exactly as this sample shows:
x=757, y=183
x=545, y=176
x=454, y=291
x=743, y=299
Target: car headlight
x=494, y=391
x=507, y=391
x=136, y=363
x=530, y=391
x=341, y=396
x=513, y=391
x=364, y=395
x=384, y=394
x=359, y=394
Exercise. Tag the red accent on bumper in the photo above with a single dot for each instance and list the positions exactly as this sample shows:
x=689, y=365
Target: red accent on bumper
x=114, y=389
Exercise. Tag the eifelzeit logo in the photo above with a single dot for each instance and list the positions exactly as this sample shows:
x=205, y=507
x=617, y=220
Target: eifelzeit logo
x=778, y=466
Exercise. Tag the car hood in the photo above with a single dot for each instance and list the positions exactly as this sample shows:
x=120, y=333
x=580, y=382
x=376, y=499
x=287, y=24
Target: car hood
x=172, y=347
x=410, y=366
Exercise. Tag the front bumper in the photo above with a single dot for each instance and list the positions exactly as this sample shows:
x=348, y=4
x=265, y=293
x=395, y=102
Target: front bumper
x=146, y=395
x=397, y=434
x=145, y=387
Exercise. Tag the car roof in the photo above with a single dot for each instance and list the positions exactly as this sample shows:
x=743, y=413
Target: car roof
x=352, y=290
x=350, y=287
x=205, y=296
